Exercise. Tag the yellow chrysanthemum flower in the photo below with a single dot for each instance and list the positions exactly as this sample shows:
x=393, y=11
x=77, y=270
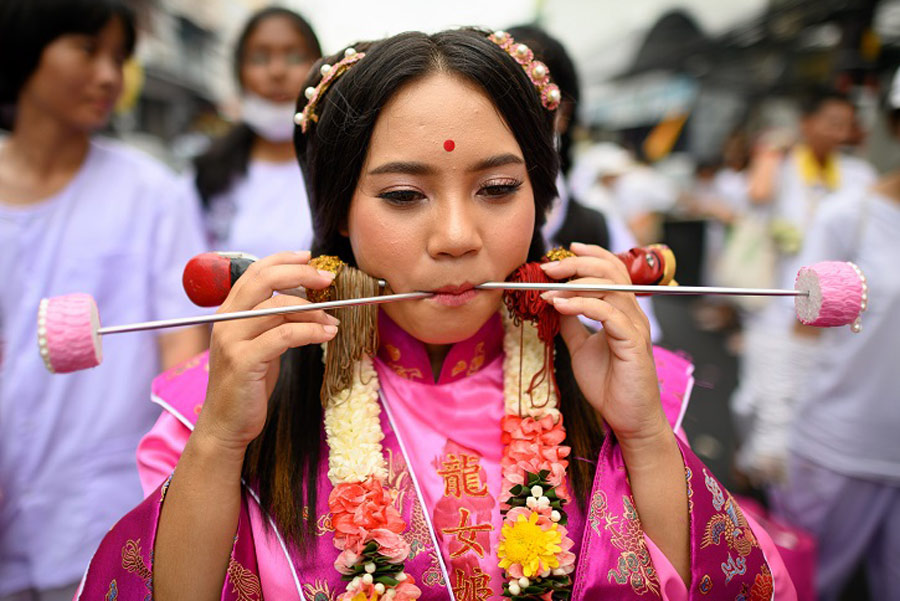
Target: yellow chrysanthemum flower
x=361, y=596
x=527, y=544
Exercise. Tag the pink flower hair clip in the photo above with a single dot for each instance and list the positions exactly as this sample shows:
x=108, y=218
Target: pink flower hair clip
x=536, y=71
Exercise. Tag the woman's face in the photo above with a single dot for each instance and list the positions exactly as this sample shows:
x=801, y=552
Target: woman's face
x=79, y=77
x=443, y=203
x=276, y=60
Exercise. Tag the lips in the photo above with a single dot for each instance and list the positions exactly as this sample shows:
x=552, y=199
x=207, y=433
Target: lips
x=454, y=296
x=454, y=289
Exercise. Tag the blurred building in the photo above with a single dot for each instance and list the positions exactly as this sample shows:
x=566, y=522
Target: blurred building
x=750, y=74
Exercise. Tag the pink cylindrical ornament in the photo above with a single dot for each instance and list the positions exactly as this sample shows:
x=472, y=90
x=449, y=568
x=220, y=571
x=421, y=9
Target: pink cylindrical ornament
x=837, y=294
x=68, y=335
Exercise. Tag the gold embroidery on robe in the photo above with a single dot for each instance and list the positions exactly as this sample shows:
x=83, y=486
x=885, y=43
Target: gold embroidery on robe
x=133, y=562
x=472, y=366
x=318, y=591
x=113, y=593
x=324, y=525
x=408, y=373
x=634, y=568
x=244, y=583
x=729, y=524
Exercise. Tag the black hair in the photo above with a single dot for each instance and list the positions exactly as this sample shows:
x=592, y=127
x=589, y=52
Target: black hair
x=229, y=156
x=552, y=53
x=815, y=98
x=284, y=459
x=29, y=26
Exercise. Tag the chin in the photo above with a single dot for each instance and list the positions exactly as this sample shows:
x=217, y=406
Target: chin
x=450, y=327
x=446, y=334
x=92, y=121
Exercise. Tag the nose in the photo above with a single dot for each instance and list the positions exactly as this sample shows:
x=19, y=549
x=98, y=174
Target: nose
x=277, y=68
x=108, y=72
x=456, y=231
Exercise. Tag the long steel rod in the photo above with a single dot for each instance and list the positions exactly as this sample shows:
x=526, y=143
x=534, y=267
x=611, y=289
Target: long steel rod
x=190, y=321
x=667, y=290
x=388, y=298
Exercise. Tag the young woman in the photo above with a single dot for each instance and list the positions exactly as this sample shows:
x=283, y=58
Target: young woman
x=249, y=184
x=77, y=214
x=443, y=469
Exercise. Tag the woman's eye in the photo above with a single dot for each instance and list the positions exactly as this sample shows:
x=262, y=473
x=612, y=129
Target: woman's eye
x=258, y=58
x=500, y=189
x=88, y=45
x=297, y=58
x=401, y=197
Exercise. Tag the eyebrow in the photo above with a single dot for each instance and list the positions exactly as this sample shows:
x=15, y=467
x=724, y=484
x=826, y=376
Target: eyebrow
x=416, y=168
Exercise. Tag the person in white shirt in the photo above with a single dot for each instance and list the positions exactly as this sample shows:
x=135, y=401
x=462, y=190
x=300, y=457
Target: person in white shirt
x=77, y=215
x=790, y=188
x=249, y=182
x=843, y=472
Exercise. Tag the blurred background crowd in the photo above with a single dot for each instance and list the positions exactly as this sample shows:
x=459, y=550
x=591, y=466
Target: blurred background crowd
x=751, y=137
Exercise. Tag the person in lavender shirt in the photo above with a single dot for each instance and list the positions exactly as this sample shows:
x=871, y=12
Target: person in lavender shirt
x=77, y=215
x=248, y=182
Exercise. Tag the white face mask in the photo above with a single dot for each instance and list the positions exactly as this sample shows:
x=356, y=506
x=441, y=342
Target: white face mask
x=270, y=120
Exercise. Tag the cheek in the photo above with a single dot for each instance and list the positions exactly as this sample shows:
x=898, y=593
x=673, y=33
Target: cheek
x=253, y=79
x=513, y=238
x=379, y=240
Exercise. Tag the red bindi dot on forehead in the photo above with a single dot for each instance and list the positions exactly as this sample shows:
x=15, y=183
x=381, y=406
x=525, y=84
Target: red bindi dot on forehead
x=449, y=145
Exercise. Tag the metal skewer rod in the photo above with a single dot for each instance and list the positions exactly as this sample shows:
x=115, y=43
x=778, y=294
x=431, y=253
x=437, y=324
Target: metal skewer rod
x=190, y=321
x=667, y=290
x=388, y=298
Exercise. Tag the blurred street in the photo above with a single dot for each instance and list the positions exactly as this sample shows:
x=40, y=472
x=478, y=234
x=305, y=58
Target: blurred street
x=708, y=419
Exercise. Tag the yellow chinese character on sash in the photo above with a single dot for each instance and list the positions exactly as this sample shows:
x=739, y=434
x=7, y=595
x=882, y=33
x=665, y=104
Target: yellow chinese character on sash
x=462, y=476
x=465, y=534
x=471, y=587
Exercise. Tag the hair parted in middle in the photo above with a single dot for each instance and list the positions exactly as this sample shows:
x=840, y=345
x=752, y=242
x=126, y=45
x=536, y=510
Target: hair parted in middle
x=333, y=149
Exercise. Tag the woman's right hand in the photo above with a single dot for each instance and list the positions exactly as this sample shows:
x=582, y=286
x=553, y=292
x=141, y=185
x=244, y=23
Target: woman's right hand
x=244, y=354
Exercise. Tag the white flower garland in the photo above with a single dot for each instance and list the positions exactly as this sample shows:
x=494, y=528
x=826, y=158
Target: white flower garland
x=353, y=429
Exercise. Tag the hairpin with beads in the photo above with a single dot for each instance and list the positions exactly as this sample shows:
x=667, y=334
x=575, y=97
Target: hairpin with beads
x=329, y=74
x=536, y=71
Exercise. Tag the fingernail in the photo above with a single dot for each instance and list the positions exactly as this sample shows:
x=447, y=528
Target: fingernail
x=327, y=274
x=549, y=295
x=330, y=330
x=560, y=301
x=549, y=265
x=333, y=320
x=302, y=253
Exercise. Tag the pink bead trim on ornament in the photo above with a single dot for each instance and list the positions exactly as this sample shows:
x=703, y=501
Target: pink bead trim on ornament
x=536, y=71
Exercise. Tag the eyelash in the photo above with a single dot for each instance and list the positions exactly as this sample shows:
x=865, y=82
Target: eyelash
x=493, y=191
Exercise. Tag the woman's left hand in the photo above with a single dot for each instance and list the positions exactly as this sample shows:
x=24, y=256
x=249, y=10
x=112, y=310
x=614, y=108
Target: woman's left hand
x=614, y=366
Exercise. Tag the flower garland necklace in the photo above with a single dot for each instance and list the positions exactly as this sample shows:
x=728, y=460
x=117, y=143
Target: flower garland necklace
x=534, y=550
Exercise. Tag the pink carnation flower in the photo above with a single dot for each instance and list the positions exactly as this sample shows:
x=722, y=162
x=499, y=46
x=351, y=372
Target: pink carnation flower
x=391, y=545
x=357, y=509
